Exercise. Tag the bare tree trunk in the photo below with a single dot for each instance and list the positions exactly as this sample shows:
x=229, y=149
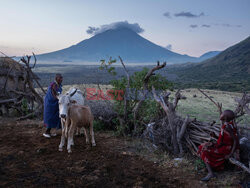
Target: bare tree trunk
x=169, y=108
x=171, y=121
x=125, y=93
x=181, y=132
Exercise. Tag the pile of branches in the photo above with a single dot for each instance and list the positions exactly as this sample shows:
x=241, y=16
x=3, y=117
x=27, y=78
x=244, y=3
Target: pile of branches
x=190, y=131
x=14, y=98
x=174, y=132
x=200, y=132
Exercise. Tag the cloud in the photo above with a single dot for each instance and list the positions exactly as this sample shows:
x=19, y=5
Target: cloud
x=193, y=26
x=91, y=30
x=167, y=14
x=216, y=24
x=169, y=47
x=189, y=14
x=116, y=25
x=227, y=25
x=206, y=25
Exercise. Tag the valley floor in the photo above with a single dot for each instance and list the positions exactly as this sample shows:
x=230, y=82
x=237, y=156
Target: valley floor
x=29, y=160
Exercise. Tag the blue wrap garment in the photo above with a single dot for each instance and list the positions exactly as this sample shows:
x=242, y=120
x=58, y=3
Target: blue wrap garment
x=51, y=107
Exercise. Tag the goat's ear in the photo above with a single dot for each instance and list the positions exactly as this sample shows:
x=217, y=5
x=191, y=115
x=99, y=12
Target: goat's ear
x=73, y=101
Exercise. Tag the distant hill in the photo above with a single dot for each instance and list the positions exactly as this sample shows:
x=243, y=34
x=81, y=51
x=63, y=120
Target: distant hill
x=124, y=42
x=208, y=55
x=229, y=70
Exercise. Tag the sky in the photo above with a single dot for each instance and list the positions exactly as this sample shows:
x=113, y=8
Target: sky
x=190, y=27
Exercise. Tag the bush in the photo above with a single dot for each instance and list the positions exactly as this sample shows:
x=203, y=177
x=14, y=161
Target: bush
x=24, y=106
x=149, y=108
x=99, y=126
x=199, y=164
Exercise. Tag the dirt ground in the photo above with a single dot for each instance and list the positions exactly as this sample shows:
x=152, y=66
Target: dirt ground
x=29, y=160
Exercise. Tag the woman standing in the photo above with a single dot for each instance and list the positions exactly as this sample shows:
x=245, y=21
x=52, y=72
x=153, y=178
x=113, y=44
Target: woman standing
x=51, y=107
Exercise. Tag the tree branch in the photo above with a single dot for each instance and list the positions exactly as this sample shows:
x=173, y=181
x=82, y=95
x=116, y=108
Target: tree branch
x=125, y=93
x=150, y=73
x=178, y=97
x=219, y=105
x=239, y=164
x=242, y=105
x=145, y=85
x=8, y=101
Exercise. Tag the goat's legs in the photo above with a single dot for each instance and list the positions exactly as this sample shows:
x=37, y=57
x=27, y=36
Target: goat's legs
x=77, y=131
x=62, y=140
x=70, y=138
x=86, y=135
x=92, y=134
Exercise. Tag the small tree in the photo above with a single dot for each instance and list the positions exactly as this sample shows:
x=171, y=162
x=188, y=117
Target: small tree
x=137, y=107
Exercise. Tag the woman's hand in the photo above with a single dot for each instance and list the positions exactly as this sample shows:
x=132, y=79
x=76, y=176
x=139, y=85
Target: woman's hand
x=228, y=156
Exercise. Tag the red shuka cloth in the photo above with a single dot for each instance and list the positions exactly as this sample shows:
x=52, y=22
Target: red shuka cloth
x=214, y=154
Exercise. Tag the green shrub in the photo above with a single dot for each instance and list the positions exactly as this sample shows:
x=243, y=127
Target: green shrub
x=99, y=126
x=24, y=106
x=149, y=108
x=199, y=164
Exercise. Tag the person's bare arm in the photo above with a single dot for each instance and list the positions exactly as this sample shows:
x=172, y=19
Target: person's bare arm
x=53, y=90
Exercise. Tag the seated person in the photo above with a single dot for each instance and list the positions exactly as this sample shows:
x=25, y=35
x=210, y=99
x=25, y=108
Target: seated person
x=227, y=145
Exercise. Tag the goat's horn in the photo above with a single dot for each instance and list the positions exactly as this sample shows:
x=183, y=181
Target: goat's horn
x=73, y=93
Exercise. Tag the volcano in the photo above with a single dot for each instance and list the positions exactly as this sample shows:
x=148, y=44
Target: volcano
x=113, y=43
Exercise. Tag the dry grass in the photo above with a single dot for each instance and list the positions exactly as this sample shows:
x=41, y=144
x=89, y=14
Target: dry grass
x=203, y=109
